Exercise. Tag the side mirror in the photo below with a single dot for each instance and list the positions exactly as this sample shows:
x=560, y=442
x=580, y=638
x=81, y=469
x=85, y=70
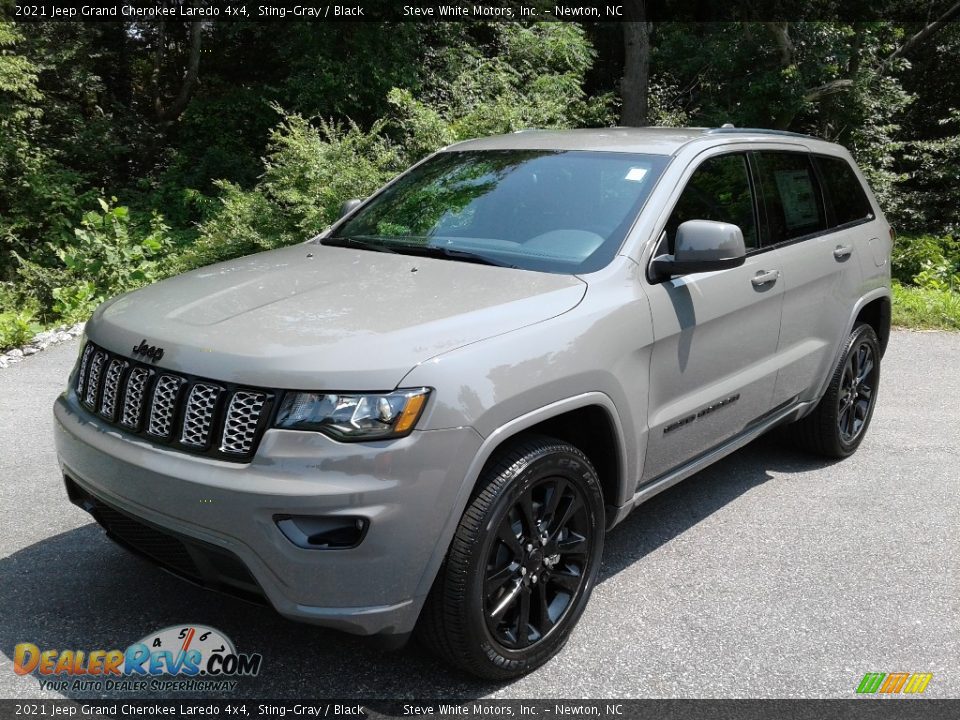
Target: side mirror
x=348, y=207
x=702, y=246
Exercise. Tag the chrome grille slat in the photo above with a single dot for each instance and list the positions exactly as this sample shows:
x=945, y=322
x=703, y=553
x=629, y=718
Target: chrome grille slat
x=82, y=373
x=93, y=380
x=181, y=411
x=198, y=417
x=240, y=426
x=133, y=397
x=111, y=388
x=164, y=405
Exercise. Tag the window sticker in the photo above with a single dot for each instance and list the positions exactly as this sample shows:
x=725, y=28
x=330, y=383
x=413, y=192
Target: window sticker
x=797, y=197
x=636, y=174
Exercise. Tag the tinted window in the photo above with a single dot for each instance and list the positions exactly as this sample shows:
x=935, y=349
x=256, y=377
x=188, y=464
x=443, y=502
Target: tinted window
x=844, y=191
x=547, y=210
x=791, y=196
x=718, y=190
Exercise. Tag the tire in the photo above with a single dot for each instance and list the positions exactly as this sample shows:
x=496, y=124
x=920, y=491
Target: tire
x=838, y=424
x=530, y=539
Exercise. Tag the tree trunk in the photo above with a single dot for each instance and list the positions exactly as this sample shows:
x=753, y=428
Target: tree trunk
x=636, y=69
x=179, y=104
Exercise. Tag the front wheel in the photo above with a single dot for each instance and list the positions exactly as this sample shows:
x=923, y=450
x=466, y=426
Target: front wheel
x=522, y=563
x=839, y=423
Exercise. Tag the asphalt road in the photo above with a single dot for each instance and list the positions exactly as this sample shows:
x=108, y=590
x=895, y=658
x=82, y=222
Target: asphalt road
x=768, y=575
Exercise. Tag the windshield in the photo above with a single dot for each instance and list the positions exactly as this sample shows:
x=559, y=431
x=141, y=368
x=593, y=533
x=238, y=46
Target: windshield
x=546, y=210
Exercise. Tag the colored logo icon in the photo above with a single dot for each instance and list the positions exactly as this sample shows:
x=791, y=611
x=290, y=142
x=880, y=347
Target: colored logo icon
x=892, y=683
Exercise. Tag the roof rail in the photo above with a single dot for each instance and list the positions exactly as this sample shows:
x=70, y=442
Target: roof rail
x=755, y=131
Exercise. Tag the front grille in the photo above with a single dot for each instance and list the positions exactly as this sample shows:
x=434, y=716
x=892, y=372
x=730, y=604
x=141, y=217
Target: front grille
x=240, y=428
x=133, y=397
x=164, y=405
x=186, y=412
x=92, y=381
x=111, y=388
x=198, y=419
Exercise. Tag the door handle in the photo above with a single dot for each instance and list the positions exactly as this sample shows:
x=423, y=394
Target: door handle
x=842, y=252
x=765, y=277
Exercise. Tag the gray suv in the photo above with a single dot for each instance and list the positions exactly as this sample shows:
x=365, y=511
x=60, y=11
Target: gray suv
x=426, y=418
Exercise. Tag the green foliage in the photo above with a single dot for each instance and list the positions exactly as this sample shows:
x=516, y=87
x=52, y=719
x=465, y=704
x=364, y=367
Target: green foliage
x=38, y=197
x=109, y=255
x=923, y=308
x=81, y=116
x=527, y=77
x=932, y=182
x=928, y=261
x=18, y=322
x=17, y=328
x=309, y=172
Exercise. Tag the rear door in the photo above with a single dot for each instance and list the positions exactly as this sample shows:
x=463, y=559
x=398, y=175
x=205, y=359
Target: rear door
x=818, y=237
x=713, y=364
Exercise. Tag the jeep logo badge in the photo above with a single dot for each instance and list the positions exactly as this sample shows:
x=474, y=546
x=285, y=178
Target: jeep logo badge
x=151, y=351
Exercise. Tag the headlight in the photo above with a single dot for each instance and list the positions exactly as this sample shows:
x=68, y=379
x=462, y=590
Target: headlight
x=374, y=416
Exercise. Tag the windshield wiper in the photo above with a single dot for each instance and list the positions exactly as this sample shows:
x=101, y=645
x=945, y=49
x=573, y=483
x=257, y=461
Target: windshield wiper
x=447, y=253
x=401, y=248
x=353, y=242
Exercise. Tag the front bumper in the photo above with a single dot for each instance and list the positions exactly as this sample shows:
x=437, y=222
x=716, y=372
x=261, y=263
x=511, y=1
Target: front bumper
x=406, y=489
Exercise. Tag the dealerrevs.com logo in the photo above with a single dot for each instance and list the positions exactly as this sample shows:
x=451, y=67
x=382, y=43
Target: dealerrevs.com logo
x=180, y=657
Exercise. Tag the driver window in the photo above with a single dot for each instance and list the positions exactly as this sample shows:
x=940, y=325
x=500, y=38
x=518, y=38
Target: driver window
x=718, y=190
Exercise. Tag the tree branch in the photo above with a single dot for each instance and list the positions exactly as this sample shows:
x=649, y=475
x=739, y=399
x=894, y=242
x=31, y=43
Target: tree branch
x=830, y=88
x=925, y=33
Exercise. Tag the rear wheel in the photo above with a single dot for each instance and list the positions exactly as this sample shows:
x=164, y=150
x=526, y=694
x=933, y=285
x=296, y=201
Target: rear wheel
x=839, y=423
x=522, y=563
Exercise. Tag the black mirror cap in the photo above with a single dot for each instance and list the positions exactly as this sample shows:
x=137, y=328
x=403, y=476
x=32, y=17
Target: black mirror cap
x=349, y=206
x=664, y=267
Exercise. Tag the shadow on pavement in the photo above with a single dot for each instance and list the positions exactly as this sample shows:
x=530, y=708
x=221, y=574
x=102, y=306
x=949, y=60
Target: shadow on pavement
x=672, y=512
x=78, y=590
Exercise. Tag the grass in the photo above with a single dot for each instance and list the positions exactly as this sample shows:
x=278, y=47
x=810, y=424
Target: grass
x=923, y=309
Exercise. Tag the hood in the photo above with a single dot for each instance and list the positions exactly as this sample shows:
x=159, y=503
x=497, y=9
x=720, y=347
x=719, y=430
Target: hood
x=325, y=318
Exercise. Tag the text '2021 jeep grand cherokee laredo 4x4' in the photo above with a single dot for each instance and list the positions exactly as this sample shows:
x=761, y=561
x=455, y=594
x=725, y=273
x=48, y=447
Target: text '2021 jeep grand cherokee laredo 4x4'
x=429, y=415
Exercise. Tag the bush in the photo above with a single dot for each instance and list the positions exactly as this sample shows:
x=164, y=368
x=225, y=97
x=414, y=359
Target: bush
x=927, y=261
x=309, y=172
x=526, y=77
x=109, y=254
x=17, y=328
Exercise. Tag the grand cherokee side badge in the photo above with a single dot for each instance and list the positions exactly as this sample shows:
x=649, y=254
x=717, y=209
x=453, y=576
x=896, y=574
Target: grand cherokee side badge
x=151, y=351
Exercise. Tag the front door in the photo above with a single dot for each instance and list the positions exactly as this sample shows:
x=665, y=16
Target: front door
x=713, y=365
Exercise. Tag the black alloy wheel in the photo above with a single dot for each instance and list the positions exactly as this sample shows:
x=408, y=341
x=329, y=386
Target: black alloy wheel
x=537, y=562
x=522, y=563
x=837, y=425
x=857, y=385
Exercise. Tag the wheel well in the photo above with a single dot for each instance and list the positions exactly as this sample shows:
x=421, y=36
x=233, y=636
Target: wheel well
x=877, y=315
x=590, y=430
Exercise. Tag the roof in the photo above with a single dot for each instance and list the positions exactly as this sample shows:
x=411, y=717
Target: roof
x=651, y=140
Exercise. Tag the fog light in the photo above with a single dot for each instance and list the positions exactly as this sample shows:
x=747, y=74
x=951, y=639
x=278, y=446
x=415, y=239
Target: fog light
x=323, y=533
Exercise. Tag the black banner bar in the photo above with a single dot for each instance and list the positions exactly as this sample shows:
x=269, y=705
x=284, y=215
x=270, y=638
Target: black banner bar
x=583, y=11
x=853, y=709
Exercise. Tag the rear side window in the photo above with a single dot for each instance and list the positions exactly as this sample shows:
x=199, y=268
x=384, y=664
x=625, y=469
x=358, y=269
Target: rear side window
x=718, y=190
x=844, y=191
x=791, y=196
